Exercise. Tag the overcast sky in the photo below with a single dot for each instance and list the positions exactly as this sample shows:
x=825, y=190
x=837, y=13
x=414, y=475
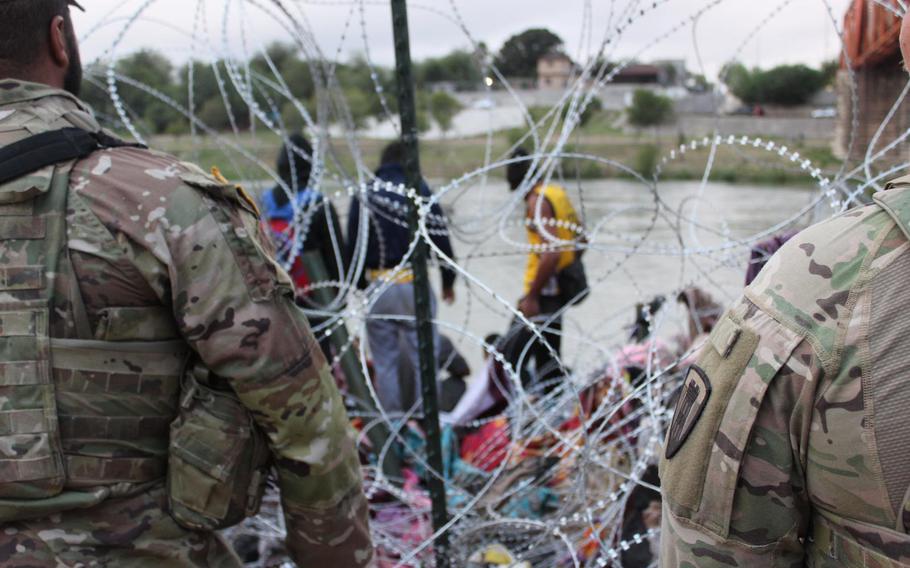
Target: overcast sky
x=797, y=31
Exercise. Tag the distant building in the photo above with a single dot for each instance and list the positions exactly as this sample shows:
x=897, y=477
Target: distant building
x=639, y=74
x=555, y=70
x=675, y=73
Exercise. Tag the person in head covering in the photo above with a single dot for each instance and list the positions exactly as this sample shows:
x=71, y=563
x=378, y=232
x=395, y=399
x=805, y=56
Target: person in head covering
x=304, y=221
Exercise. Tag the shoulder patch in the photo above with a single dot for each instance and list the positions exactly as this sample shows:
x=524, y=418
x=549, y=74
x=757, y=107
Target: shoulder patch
x=244, y=196
x=216, y=185
x=692, y=401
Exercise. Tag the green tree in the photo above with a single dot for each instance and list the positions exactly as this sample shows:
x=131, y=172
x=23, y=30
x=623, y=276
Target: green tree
x=829, y=71
x=595, y=107
x=213, y=114
x=154, y=70
x=295, y=71
x=281, y=54
x=698, y=83
x=783, y=85
x=208, y=99
x=518, y=56
x=204, y=85
x=359, y=107
x=424, y=114
x=789, y=84
x=444, y=107
x=293, y=119
x=459, y=67
x=649, y=109
x=738, y=79
x=95, y=94
x=357, y=74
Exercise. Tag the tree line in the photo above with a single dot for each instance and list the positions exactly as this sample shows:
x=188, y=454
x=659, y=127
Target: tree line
x=786, y=85
x=279, y=81
x=214, y=89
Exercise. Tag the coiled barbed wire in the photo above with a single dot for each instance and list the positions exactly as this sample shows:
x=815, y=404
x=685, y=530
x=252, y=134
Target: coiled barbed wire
x=551, y=476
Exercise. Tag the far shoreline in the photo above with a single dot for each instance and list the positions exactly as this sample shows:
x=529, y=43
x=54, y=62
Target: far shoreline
x=450, y=159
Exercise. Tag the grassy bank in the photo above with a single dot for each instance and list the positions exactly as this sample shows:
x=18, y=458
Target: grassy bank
x=448, y=159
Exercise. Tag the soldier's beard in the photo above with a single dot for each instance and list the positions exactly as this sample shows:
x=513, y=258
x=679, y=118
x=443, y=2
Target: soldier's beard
x=72, y=81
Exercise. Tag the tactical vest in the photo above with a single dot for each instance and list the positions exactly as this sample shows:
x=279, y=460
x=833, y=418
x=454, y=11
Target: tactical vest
x=83, y=418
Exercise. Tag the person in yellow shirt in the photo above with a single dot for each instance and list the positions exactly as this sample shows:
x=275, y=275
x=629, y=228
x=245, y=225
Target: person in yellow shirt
x=553, y=228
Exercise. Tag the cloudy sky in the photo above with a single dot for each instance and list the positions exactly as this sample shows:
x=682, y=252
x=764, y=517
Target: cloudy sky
x=794, y=30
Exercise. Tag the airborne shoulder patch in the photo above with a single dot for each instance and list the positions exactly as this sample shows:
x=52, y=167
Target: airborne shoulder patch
x=692, y=401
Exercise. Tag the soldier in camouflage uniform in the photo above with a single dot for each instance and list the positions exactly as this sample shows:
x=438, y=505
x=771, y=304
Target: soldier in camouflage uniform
x=162, y=276
x=789, y=442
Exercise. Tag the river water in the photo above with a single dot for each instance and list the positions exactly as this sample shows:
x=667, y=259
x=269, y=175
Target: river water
x=644, y=243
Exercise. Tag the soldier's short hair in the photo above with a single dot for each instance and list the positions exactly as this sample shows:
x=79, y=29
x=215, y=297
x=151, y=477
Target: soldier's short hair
x=24, y=28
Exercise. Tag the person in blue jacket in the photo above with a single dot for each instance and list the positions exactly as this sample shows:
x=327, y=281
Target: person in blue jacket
x=379, y=219
x=309, y=223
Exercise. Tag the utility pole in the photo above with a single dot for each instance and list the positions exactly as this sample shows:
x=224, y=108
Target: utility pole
x=408, y=112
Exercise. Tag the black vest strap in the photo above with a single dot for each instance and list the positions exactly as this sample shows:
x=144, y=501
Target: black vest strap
x=54, y=147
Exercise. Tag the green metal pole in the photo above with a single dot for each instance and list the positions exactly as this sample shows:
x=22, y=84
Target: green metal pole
x=408, y=112
x=357, y=383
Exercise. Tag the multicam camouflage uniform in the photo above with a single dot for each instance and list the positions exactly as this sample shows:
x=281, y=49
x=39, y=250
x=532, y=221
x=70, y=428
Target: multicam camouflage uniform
x=161, y=251
x=798, y=456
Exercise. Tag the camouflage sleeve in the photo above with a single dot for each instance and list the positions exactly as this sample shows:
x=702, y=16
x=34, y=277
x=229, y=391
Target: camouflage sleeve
x=199, y=242
x=732, y=474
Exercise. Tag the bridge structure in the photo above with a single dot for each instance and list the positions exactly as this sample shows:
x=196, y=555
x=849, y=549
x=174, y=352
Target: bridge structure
x=870, y=81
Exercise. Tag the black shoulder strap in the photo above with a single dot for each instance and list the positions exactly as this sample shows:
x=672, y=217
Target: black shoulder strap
x=54, y=147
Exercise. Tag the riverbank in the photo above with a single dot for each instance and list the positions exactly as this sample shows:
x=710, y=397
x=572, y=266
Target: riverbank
x=237, y=156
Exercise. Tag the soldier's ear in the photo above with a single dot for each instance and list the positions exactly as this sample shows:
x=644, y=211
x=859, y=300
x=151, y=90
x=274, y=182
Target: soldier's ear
x=57, y=44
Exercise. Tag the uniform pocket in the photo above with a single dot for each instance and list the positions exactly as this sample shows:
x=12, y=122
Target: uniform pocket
x=203, y=462
x=217, y=461
x=741, y=358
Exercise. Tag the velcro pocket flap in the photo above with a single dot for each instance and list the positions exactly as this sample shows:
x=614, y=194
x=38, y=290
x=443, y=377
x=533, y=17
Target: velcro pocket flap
x=28, y=186
x=30, y=421
x=16, y=227
x=17, y=373
x=26, y=323
x=739, y=361
x=16, y=278
x=214, y=451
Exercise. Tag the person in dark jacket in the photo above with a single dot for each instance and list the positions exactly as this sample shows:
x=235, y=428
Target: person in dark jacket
x=453, y=370
x=307, y=224
x=378, y=220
